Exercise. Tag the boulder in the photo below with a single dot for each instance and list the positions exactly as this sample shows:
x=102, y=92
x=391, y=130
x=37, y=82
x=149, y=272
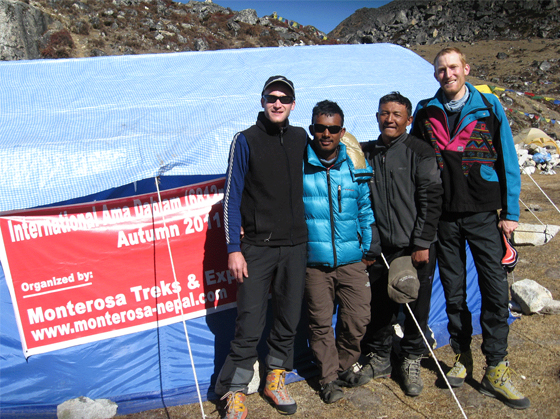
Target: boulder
x=531, y=296
x=86, y=408
x=22, y=27
x=248, y=16
x=551, y=307
x=534, y=234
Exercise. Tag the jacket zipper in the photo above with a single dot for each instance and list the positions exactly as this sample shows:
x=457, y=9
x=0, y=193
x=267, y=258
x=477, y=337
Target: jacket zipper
x=387, y=191
x=331, y=214
x=339, y=199
x=459, y=124
x=289, y=184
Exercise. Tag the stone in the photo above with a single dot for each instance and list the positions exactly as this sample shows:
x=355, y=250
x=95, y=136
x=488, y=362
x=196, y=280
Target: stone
x=545, y=66
x=551, y=307
x=233, y=26
x=401, y=17
x=96, y=52
x=200, y=44
x=86, y=408
x=530, y=295
x=248, y=16
x=95, y=22
x=22, y=28
x=534, y=234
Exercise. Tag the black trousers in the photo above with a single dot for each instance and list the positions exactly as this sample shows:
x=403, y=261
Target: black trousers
x=481, y=232
x=384, y=311
x=281, y=272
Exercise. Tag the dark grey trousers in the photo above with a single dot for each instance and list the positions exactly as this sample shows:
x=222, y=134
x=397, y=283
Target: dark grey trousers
x=480, y=231
x=281, y=272
x=384, y=311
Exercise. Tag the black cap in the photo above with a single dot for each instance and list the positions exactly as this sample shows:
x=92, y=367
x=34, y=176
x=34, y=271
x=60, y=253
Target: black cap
x=279, y=79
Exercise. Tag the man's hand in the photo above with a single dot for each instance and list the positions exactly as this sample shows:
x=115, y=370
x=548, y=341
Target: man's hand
x=368, y=262
x=507, y=227
x=237, y=266
x=420, y=257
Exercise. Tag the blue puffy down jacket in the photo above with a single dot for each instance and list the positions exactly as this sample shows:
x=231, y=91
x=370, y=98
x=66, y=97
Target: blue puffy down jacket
x=337, y=211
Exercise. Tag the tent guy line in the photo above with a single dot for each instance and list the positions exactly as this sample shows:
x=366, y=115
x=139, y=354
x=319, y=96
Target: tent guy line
x=430, y=349
x=157, y=180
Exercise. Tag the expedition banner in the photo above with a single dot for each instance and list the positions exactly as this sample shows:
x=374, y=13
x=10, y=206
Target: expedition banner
x=86, y=272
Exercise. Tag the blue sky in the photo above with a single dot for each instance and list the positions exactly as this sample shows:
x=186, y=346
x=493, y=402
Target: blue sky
x=325, y=15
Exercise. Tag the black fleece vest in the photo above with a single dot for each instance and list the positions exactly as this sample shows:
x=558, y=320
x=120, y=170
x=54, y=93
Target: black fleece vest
x=272, y=203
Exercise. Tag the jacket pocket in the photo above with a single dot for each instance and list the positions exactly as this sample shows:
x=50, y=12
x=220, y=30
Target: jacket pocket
x=483, y=184
x=261, y=225
x=488, y=173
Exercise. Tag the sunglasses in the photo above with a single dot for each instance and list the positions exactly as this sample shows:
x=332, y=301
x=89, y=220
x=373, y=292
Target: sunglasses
x=285, y=100
x=333, y=129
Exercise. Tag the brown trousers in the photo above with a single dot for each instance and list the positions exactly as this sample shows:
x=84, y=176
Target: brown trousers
x=348, y=286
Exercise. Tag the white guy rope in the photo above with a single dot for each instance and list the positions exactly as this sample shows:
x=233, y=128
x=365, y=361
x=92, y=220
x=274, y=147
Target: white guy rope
x=546, y=234
x=531, y=211
x=181, y=305
x=430, y=349
x=530, y=177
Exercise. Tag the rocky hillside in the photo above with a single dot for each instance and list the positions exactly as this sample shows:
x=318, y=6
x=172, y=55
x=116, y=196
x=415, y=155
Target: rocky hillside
x=33, y=29
x=422, y=22
x=514, y=44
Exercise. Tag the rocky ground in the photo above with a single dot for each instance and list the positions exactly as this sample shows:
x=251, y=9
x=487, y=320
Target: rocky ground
x=534, y=341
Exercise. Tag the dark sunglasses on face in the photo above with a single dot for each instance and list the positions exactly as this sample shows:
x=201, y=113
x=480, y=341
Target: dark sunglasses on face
x=285, y=100
x=333, y=129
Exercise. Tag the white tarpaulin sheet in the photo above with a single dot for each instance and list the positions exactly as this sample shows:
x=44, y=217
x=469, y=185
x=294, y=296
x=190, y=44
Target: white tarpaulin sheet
x=70, y=128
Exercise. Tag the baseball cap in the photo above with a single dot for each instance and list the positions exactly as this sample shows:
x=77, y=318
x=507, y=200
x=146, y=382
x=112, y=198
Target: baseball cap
x=403, y=281
x=279, y=79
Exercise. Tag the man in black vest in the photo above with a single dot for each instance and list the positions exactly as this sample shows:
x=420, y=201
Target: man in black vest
x=266, y=237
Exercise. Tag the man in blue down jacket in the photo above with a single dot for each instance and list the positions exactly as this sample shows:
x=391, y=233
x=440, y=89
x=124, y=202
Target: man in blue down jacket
x=342, y=233
x=406, y=197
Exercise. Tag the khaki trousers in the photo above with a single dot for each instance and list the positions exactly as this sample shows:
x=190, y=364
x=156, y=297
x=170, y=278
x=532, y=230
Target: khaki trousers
x=347, y=286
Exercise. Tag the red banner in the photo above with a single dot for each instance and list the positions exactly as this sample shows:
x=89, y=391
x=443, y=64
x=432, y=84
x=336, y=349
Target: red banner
x=87, y=272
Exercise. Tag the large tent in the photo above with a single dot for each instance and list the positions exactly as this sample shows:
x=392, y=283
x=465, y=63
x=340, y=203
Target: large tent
x=82, y=130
